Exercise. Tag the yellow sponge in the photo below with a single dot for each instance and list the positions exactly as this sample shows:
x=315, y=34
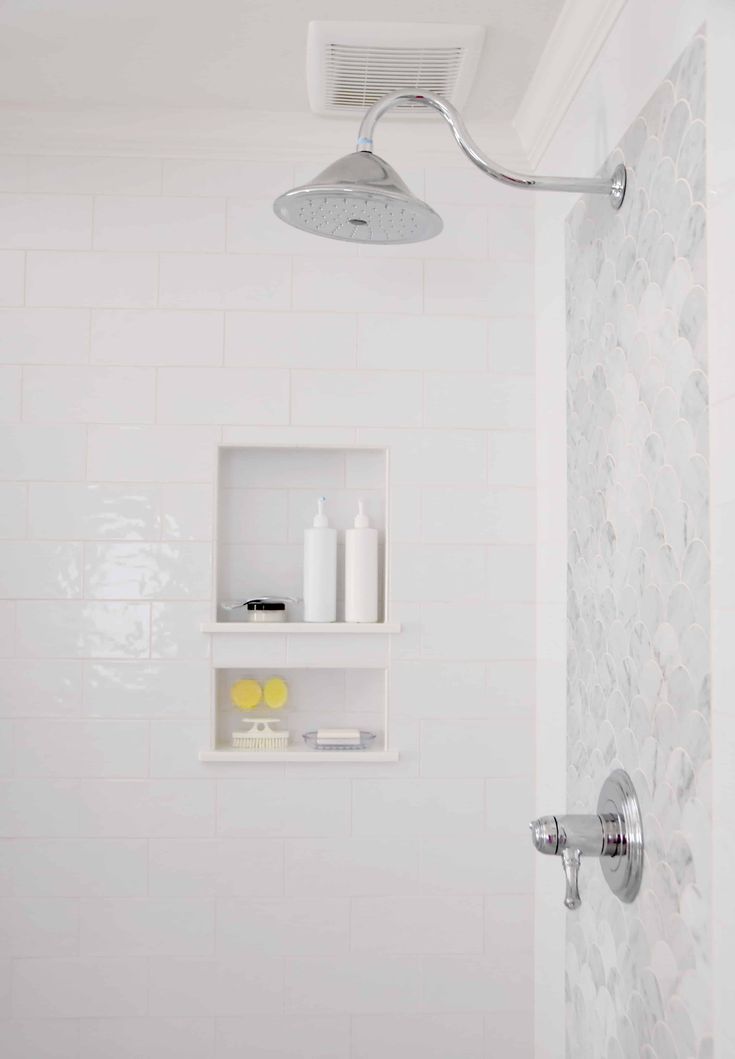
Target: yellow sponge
x=246, y=694
x=275, y=693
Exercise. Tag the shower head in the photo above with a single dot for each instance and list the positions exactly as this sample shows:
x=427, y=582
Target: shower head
x=361, y=199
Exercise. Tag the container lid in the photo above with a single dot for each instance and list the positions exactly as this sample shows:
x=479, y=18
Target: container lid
x=265, y=604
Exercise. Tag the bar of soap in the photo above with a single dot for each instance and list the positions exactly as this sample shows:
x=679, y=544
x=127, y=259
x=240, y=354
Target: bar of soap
x=348, y=736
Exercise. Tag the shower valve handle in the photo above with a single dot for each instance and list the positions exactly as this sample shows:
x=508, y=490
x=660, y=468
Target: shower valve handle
x=614, y=834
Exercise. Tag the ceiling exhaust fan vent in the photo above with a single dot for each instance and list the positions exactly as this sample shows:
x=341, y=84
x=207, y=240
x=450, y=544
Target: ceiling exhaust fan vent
x=351, y=64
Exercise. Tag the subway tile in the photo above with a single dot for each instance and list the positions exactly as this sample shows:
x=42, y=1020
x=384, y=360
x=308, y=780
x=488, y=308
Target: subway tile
x=130, y=570
x=509, y=926
x=157, y=223
x=157, y=336
x=283, y=807
x=35, y=1038
x=138, y=1037
x=222, y=395
x=438, y=572
x=478, y=288
x=497, y=746
x=475, y=983
x=155, y=808
x=484, y=401
x=151, y=454
x=92, y=511
x=94, y=176
x=34, y=450
x=44, y=336
x=79, y=629
x=13, y=173
x=282, y=927
x=360, y=285
x=45, y=222
x=176, y=632
x=214, y=176
x=43, y=688
x=39, y=926
x=275, y=468
x=285, y=1036
x=12, y=277
x=438, y=689
x=225, y=867
x=488, y=516
x=479, y=631
x=178, y=689
x=510, y=233
x=421, y=343
x=225, y=986
x=511, y=574
x=416, y=806
x=352, y=984
x=432, y=1036
x=40, y=570
x=7, y=628
x=10, y=394
x=509, y=805
x=88, y=394
x=76, y=748
x=512, y=457
x=32, y=808
x=351, y=867
x=224, y=281
x=290, y=340
x=175, y=746
x=431, y=457
x=113, y=280
x=416, y=925
x=186, y=511
x=512, y=345
x=157, y=926
x=350, y=398
x=254, y=516
x=468, y=186
x=74, y=867
x=69, y=988
x=460, y=864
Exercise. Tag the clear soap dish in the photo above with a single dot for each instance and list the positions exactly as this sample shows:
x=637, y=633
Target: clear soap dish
x=311, y=740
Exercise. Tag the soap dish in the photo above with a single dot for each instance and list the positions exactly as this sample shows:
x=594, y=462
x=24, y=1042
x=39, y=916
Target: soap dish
x=366, y=739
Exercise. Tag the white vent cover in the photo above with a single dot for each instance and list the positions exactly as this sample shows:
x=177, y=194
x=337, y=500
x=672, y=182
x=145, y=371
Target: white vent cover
x=351, y=64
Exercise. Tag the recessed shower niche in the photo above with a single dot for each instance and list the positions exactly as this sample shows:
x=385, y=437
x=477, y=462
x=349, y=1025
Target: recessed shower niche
x=337, y=673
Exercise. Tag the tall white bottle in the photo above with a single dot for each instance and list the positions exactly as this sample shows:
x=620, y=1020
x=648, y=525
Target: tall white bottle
x=320, y=568
x=361, y=570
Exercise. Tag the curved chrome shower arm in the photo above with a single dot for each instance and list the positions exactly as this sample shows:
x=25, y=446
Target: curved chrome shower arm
x=614, y=186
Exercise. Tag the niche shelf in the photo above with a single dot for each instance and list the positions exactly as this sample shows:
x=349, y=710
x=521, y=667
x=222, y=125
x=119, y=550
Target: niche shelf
x=265, y=497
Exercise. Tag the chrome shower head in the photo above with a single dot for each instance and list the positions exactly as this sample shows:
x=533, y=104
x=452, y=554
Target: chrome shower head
x=361, y=199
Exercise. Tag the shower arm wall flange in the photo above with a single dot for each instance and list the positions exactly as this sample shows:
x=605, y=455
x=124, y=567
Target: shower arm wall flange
x=613, y=187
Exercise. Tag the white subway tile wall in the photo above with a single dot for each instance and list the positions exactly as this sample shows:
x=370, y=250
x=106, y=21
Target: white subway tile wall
x=153, y=906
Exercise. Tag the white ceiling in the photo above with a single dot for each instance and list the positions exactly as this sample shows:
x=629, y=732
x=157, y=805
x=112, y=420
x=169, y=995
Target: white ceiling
x=232, y=53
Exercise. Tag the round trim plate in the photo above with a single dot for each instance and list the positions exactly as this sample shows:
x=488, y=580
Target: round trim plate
x=624, y=871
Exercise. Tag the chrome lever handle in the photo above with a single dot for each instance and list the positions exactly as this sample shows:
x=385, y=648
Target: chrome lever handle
x=571, y=860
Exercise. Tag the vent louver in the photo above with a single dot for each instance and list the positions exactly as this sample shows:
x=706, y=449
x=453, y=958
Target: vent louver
x=351, y=64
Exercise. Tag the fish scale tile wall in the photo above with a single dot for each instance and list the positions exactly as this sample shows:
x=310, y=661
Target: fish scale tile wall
x=153, y=906
x=638, y=976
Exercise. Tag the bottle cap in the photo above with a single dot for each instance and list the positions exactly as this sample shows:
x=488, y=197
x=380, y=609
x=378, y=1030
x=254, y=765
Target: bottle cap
x=320, y=519
x=361, y=519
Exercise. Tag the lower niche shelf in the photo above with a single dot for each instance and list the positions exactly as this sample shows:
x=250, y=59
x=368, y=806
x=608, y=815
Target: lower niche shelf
x=297, y=756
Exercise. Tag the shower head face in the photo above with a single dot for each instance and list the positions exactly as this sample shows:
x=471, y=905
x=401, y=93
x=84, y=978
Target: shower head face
x=359, y=199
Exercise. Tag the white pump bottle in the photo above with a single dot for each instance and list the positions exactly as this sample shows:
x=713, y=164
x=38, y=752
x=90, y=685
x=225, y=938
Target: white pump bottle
x=320, y=569
x=361, y=570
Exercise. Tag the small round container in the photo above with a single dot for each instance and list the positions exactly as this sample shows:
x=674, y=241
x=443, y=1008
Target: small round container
x=265, y=610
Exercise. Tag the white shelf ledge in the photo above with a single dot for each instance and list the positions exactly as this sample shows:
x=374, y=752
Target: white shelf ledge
x=290, y=628
x=301, y=757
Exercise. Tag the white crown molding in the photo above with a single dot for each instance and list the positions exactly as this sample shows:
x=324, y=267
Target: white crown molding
x=246, y=134
x=575, y=41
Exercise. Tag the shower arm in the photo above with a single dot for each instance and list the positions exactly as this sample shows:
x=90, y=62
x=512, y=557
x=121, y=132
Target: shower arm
x=613, y=187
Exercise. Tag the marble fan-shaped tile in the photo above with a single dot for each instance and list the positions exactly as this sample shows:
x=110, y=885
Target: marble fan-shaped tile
x=688, y=80
x=679, y=205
